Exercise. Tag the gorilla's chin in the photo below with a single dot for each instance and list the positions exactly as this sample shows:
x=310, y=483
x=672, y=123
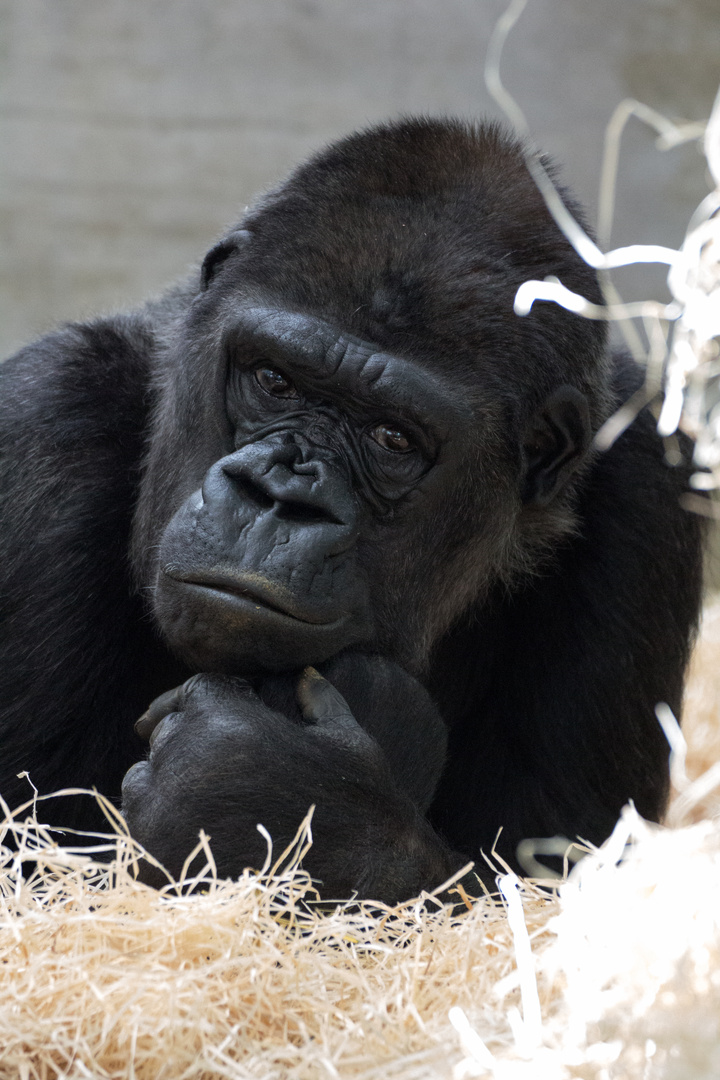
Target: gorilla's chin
x=247, y=628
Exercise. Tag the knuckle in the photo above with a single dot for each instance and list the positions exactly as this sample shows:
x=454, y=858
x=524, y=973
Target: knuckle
x=195, y=685
x=163, y=732
x=134, y=782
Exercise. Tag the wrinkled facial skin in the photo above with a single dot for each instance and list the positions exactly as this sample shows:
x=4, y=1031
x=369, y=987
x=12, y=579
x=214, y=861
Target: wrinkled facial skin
x=317, y=532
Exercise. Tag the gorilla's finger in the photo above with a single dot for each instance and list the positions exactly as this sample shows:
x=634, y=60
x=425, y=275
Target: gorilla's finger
x=158, y=709
x=165, y=727
x=320, y=702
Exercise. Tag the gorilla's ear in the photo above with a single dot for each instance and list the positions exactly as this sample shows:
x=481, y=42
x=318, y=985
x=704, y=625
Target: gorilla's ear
x=556, y=441
x=219, y=254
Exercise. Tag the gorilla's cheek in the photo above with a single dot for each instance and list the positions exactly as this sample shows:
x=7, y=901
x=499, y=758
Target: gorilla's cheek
x=244, y=591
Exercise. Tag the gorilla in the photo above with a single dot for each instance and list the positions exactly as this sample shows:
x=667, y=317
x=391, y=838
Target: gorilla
x=328, y=517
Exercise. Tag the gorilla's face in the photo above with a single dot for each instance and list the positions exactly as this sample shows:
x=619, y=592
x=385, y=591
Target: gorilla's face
x=356, y=435
x=341, y=515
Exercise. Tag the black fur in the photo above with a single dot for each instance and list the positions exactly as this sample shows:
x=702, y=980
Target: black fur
x=398, y=488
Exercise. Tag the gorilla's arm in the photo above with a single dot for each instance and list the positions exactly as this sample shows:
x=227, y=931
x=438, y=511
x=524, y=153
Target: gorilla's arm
x=78, y=662
x=552, y=709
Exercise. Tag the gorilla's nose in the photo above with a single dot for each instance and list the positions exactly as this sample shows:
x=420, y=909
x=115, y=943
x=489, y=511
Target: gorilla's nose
x=277, y=476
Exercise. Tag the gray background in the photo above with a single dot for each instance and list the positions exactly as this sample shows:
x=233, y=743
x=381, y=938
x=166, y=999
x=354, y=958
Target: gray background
x=133, y=131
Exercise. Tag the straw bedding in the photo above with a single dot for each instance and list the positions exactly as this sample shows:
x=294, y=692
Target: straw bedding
x=619, y=976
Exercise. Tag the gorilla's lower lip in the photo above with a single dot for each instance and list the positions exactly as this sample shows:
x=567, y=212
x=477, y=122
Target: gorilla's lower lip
x=255, y=590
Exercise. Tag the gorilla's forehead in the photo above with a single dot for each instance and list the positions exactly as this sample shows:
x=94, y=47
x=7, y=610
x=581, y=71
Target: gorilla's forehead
x=411, y=284
x=336, y=361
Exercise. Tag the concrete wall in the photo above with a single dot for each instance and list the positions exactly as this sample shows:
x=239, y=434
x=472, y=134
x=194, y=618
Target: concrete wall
x=133, y=131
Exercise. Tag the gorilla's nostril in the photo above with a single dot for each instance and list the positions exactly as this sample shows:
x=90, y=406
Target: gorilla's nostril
x=253, y=492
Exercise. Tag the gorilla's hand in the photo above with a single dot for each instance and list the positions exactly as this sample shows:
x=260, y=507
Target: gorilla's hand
x=222, y=760
x=391, y=706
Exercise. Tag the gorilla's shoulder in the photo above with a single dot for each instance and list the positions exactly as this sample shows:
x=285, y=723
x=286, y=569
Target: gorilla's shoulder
x=85, y=381
x=78, y=370
x=77, y=362
x=75, y=407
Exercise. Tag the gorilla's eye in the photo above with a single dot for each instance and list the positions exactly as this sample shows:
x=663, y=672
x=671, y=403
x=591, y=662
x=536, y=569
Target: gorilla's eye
x=274, y=382
x=391, y=438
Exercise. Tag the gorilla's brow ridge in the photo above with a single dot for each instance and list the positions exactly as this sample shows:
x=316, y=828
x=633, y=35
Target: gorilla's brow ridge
x=321, y=353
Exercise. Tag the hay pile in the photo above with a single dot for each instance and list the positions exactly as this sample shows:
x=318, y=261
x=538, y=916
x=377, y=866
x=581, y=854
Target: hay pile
x=619, y=977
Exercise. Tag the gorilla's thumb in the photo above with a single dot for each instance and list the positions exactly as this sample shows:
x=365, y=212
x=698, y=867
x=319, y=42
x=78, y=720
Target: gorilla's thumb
x=320, y=703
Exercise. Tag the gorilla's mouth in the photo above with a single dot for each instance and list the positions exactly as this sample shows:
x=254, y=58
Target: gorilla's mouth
x=253, y=589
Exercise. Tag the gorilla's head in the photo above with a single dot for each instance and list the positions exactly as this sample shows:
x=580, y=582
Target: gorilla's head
x=357, y=435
